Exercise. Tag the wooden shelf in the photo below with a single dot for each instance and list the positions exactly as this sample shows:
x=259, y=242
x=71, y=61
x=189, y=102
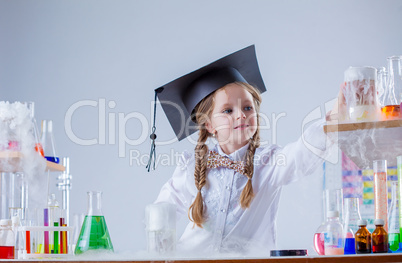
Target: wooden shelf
x=10, y=161
x=360, y=258
x=365, y=142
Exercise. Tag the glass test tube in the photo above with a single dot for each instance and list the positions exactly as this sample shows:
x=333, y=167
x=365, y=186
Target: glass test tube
x=399, y=169
x=381, y=191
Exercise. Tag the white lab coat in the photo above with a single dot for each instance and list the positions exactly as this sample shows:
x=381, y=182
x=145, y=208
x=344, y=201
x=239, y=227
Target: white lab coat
x=228, y=227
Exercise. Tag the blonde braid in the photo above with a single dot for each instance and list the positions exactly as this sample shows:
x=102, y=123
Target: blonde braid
x=201, y=154
x=247, y=194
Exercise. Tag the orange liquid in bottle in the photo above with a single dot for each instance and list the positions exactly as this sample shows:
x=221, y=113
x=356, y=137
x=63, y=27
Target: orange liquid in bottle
x=39, y=149
x=391, y=112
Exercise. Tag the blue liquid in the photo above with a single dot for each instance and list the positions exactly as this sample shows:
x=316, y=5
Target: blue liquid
x=350, y=247
x=53, y=159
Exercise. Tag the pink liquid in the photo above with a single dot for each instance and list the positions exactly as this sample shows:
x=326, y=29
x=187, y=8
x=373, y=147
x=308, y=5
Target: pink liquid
x=319, y=243
x=334, y=251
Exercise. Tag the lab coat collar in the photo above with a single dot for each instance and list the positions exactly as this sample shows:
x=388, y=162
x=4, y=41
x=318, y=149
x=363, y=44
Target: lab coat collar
x=236, y=155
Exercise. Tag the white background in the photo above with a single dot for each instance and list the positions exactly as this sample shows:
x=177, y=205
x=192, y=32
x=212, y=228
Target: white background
x=58, y=53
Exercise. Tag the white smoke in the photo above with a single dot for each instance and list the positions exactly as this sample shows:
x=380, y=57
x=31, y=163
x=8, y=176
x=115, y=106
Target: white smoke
x=17, y=146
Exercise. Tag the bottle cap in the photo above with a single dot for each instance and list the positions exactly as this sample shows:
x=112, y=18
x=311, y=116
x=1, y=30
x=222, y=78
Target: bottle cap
x=362, y=222
x=379, y=221
x=333, y=214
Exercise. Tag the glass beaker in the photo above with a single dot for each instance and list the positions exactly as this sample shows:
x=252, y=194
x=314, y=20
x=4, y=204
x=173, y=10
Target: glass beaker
x=381, y=191
x=392, y=94
x=47, y=141
x=94, y=234
x=160, y=221
x=352, y=216
x=361, y=93
x=14, y=195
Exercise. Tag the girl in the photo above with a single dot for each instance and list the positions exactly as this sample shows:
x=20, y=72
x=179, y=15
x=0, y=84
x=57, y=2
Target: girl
x=231, y=192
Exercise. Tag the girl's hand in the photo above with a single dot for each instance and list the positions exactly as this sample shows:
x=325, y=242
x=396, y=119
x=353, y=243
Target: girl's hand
x=339, y=111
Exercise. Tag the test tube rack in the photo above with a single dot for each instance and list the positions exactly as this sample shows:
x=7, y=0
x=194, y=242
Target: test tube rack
x=36, y=231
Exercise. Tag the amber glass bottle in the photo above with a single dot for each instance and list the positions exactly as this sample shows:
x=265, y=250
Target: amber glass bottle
x=380, y=237
x=363, y=238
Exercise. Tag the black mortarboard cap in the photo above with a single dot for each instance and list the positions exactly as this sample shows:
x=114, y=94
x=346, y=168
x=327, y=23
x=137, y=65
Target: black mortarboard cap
x=179, y=97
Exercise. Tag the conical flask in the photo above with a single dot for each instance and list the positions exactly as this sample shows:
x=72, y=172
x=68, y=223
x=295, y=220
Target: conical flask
x=352, y=216
x=393, y=89
x=47, y=141
x=94, y=234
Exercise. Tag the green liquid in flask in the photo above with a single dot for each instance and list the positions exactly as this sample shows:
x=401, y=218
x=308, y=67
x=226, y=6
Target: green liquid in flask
x=393, y=240
x=94, y=235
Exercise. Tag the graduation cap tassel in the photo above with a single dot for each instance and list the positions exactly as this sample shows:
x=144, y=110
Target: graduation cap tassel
x=152, y=154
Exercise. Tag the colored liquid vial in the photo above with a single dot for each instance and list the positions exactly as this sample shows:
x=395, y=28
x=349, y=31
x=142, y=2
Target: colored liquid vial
x=333, y=237
x=379, y=237
x=393, y=219
x=399, y=171
x=7, y=241
x=47, y=141
x=352, y=216
x=393, y=241
x=349, y=246
x=363, y=238
x=381, y=191
x=391, y=112
x=94, y=233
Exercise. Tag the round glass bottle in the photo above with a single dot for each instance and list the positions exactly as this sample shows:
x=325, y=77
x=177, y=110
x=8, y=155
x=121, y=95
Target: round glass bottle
x=363, y=238
x=380, y=237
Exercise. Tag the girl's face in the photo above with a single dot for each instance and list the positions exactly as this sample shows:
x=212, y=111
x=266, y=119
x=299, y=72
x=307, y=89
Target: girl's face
x=234, y=118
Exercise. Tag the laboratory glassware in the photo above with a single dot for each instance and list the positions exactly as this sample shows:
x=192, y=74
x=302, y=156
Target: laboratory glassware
x=393, y=219
x=352, y=216
x=333, y=237
x=381, y=191
x=160, y=221
x=19, y=237
x=7, y=240
x=382, y=78
x=363, y=238
x=380, y=237
x=399, y=171
x=14, y=194
x=333, y=201
x=392, y=95
x=361, y=93
x=94, y=234
x=47, y=140
x=319, y=239
x=35, y=133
